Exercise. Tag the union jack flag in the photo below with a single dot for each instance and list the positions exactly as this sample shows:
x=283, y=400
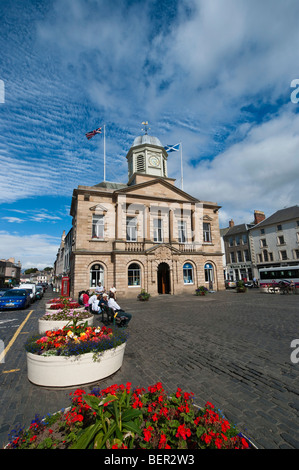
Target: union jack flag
x=90, y=134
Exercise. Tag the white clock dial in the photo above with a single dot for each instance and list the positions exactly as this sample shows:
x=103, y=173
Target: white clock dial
x=154, y=161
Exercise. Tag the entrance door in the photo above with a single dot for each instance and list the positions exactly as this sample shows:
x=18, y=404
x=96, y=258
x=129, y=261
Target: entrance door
x=163, y=278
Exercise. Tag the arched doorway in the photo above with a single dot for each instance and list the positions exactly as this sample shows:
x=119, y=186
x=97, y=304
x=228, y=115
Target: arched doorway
x=163, y=279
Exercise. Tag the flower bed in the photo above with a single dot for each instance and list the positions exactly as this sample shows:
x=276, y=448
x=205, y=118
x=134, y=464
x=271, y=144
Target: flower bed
x=201, y=290
x=62, y=302
x=75, y=340
x=56, y=320
x=60, y=305
x=74, y=355
x=122, y=418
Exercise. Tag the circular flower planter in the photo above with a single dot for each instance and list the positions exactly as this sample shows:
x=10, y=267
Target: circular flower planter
x=63, y=371
x=79, y=309
x=44, y=325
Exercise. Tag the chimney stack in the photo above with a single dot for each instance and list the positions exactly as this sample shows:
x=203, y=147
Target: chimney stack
x=231, y=223
x=259, y=216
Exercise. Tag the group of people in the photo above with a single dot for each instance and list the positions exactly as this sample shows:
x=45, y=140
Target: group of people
x=100, y=298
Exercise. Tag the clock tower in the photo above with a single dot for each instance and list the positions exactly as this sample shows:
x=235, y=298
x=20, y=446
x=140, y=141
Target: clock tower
x=147, y=157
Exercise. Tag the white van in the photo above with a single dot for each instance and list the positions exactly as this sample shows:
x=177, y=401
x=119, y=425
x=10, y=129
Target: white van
x=29, y=286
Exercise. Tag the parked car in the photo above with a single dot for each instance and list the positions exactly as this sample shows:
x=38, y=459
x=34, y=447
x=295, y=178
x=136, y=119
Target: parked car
x=39, y=292
x=230, y=284
x=248, y=284
x=3, y=290
x=15, y=299
x=29, y=286
x=29, y=291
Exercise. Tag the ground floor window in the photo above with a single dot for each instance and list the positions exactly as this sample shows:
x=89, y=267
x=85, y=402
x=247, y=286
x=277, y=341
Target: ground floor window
x=96, y=275
x=209, y=273
x=134, y=275
x=188, y=273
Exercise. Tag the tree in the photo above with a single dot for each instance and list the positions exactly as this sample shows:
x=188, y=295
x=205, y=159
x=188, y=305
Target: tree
x=30, y=271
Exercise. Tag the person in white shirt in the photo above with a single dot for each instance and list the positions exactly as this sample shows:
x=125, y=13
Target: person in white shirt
x=119, y=312
x=92, y=298
x=99, y=289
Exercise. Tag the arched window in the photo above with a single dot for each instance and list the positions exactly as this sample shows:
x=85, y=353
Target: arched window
x=134, y=275
x=209, y=274
x=188, y=273
x=96, y=275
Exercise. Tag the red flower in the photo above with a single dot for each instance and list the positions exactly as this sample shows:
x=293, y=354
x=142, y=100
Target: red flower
x=147, y=433
x=183, y=432
x=162, y=442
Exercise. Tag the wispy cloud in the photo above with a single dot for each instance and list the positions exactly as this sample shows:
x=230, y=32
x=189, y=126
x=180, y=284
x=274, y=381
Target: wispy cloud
x=16, y=220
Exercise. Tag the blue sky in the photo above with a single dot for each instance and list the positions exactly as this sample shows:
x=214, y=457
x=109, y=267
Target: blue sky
x=214, y=75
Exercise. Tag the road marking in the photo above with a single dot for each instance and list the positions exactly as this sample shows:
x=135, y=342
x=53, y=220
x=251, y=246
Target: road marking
x=2, y=355
x=9, y=371
x=5, y=321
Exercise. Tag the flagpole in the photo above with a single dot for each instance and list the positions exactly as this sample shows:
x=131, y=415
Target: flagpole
x=182, y=184
x=104, y=155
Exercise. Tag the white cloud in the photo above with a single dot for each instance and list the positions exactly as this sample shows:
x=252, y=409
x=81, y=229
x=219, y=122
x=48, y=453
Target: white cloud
x=13, y=220
x=260, y=172
x=32, y=250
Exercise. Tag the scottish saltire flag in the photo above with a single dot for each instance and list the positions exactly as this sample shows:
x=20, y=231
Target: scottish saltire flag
x=172, y=148
x=90, y=134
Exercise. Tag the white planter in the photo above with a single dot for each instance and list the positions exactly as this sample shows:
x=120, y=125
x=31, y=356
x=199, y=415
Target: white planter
x=62, y=371
x=44, y=325
x=51, y=310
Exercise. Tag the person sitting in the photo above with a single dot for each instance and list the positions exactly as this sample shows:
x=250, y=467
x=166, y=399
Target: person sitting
x=86, y=299
x=103, y=300
x=91, y=299
x=95, y=306
x=118, y=311
x=99, y=289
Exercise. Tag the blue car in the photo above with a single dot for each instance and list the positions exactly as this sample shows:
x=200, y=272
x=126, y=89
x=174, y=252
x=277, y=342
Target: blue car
x=15, y=299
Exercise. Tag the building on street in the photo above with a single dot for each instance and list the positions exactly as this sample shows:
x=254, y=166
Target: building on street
x=237, y=249
x=146, y=234
x=10, y=272
x=275, y=240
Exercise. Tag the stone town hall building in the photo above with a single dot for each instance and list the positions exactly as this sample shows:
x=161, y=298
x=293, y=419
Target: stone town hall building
x=146, y=234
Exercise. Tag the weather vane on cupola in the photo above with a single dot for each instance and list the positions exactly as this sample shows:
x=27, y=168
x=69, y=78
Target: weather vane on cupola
x=146, y=128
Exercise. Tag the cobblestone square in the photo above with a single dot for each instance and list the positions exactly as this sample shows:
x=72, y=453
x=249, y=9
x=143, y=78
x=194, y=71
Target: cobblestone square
x=228, y=348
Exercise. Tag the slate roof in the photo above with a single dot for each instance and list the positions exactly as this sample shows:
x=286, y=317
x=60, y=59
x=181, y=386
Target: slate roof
x=237, y=229
x=280, y=216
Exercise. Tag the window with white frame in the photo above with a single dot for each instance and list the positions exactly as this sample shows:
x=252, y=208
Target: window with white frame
x=96, y=275
x=158, y=230
x=134, y=275
x=207, y=232
x=188, y=273
x=283, y=255
x=232, y=257
x=98, y=228
x=131, y=226
x=182, y=232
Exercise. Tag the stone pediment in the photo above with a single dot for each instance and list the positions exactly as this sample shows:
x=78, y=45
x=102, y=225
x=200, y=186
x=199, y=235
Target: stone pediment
x=98, y=208
x=163, y=251
x=157, y=189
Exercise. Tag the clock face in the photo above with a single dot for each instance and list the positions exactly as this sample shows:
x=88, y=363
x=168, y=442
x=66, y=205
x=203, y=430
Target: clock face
x=154, y=161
